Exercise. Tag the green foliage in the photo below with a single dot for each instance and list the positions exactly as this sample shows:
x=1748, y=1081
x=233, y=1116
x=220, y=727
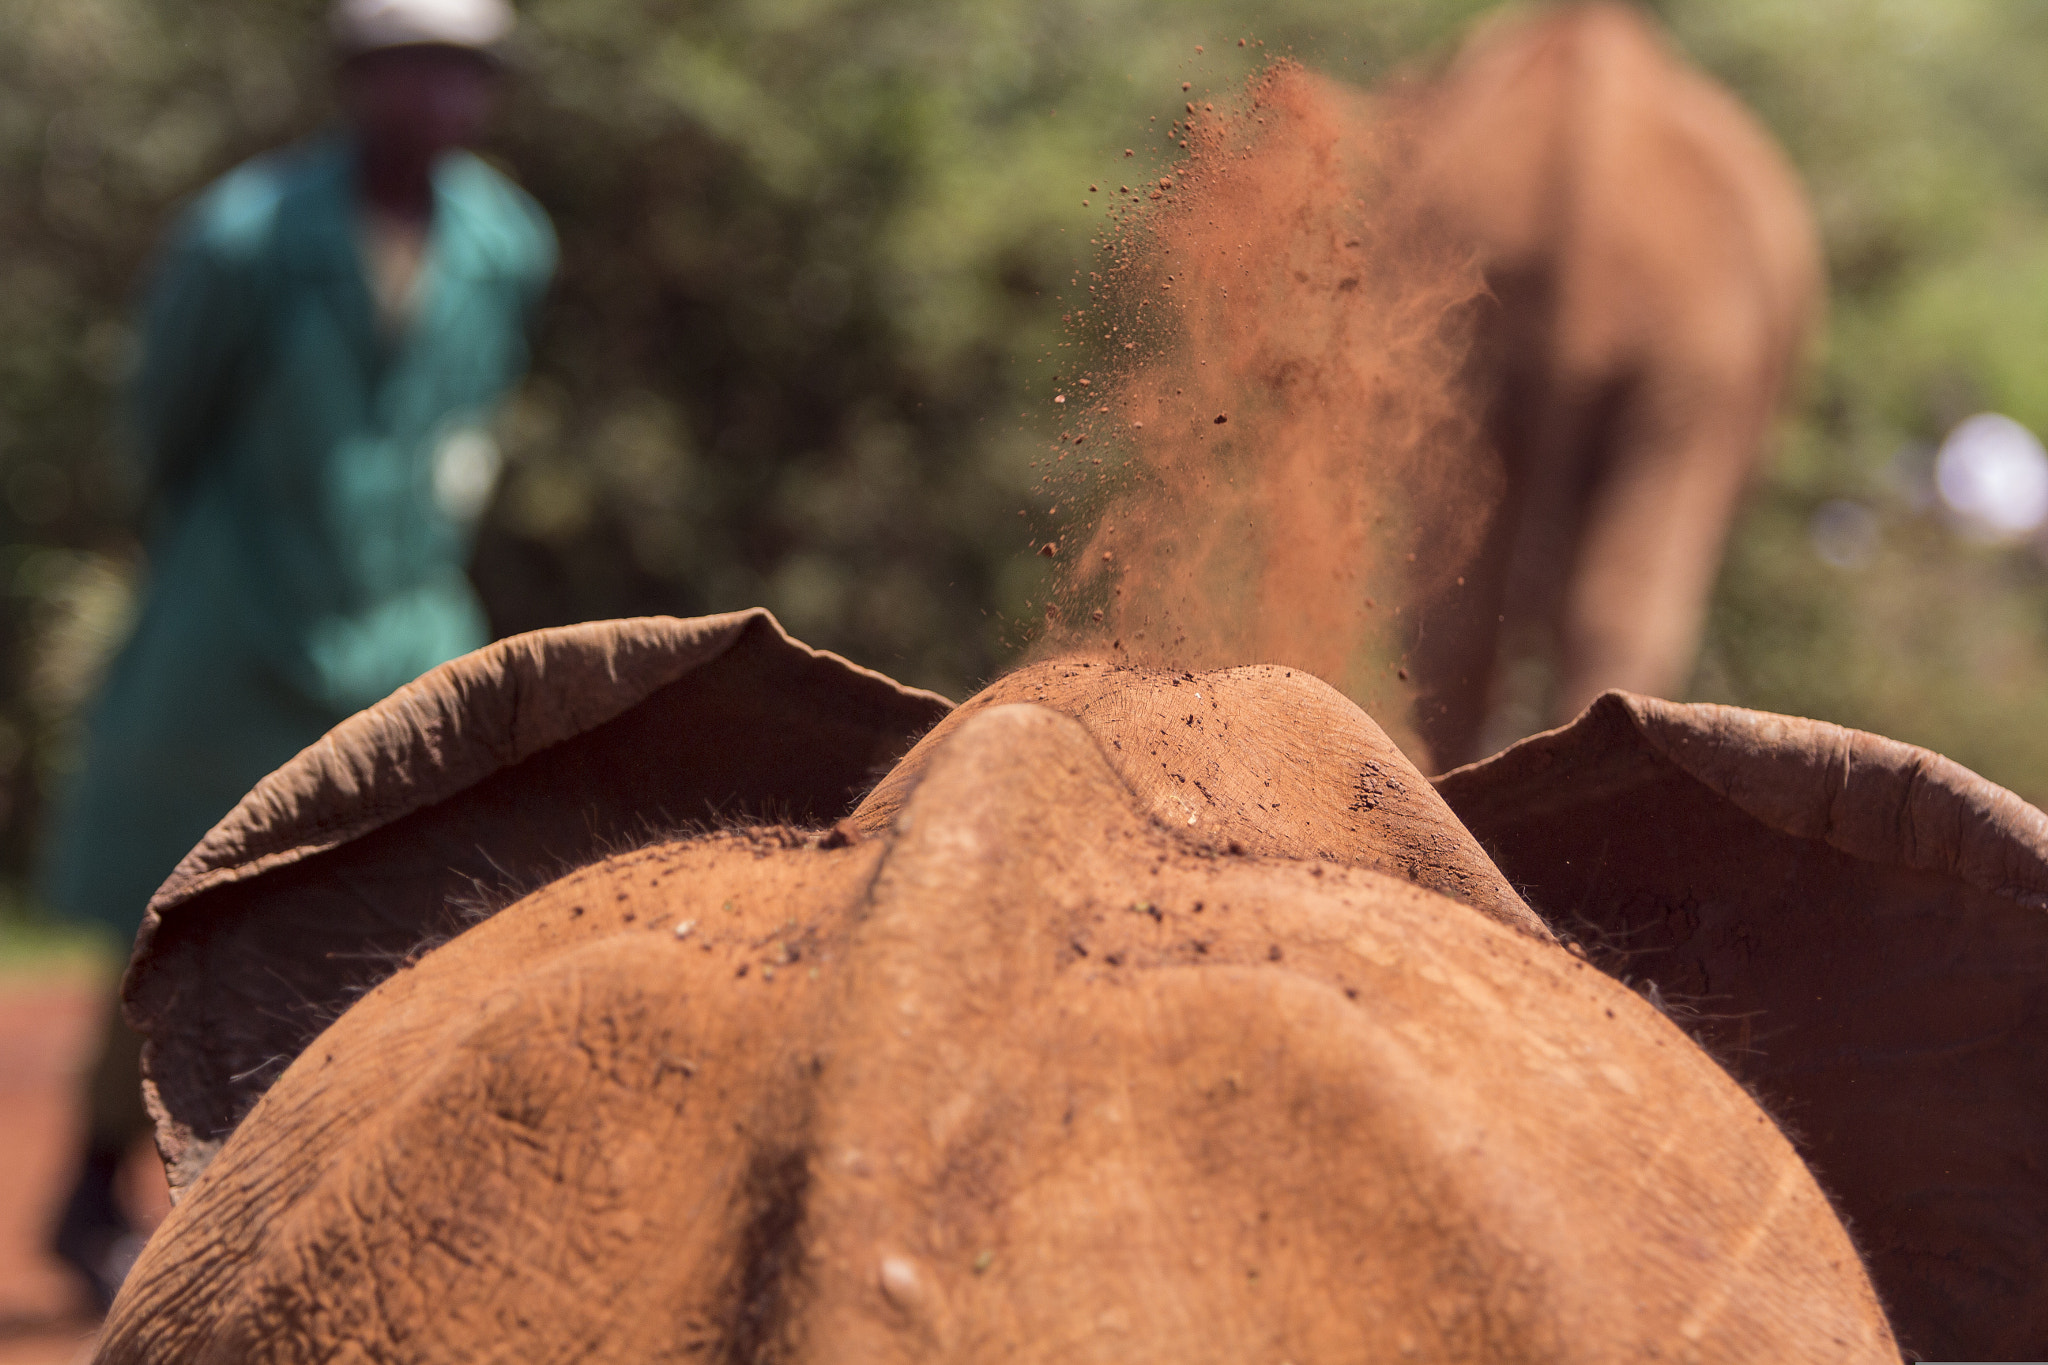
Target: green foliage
x=813, y=252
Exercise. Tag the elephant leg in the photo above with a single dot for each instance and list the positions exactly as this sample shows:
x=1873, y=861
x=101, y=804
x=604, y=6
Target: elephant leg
x=1451, y=648
x=1559, y=459
x=1651, y=542
x=1460, y=641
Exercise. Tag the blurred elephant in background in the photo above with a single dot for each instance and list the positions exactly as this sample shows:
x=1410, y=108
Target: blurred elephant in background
x=667, y=990
x=1657, y=277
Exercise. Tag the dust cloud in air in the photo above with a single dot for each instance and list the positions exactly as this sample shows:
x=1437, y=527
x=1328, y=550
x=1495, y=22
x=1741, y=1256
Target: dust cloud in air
x=1278, y=456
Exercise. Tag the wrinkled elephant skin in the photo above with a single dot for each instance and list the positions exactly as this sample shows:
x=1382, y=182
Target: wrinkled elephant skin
x=1128, y=1015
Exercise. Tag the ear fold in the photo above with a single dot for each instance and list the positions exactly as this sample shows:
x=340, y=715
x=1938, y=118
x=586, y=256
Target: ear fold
x=1862, y=928
x=486, y=776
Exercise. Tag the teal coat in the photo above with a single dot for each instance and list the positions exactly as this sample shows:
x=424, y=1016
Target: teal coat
x=315, y=485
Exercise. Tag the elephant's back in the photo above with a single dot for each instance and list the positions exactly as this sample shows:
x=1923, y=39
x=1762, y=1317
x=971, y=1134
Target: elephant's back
x=1747, y=185
x=1575, y=145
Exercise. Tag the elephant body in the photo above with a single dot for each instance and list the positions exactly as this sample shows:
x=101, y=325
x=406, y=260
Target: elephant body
x=1117, y=1013
x=1656, y=276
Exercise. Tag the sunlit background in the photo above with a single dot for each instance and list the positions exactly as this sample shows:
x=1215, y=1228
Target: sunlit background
x=813, y=261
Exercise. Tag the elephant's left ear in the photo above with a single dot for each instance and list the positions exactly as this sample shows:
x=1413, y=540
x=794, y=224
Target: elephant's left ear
x=1859, y=930
x=486, y=777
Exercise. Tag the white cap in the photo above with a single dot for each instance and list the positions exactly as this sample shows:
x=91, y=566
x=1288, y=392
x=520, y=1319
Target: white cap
x=366, y=25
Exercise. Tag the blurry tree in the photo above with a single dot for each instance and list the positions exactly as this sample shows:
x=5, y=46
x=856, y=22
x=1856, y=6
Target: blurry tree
x=813, y=253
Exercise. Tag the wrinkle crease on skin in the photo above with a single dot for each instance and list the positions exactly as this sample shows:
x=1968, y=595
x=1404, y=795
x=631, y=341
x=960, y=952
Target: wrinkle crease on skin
x=1734, y=1264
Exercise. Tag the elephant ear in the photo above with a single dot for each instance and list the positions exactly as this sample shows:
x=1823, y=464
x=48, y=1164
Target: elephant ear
x=1859, y=930
x=486, y=777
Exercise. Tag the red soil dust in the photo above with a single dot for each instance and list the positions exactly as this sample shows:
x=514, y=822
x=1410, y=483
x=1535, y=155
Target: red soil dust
x=1278, y=455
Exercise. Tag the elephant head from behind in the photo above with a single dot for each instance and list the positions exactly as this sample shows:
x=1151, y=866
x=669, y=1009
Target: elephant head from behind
x=666, y=989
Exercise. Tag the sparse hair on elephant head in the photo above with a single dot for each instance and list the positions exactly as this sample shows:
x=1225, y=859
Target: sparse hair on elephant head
x=1114, y=1005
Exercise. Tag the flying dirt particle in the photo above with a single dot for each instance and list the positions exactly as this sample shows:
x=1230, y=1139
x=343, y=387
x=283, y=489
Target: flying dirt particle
x=1129, y=152
x=1198, y=49
x=1059, y=398
x=1096, y=614
x=1049, y=549
x=1191, y=108
x=683, y=929
x=1240, y=42
x=1221, y=418
x=1137, y=426
x=1084, y=383
x=1187, y=85
x=1091, y=189
x=1107, y=556
x=1084, y=203
x=1402, y=674
x=1166, y=183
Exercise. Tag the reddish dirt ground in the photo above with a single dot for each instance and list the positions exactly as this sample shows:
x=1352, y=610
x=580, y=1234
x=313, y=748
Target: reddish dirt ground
x=46, y=1037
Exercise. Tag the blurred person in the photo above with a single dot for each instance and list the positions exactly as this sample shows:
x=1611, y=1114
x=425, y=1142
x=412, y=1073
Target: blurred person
x=329, y=329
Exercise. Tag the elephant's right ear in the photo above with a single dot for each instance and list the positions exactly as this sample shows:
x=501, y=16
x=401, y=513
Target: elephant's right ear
x=1859, y=929
x=487, y=776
